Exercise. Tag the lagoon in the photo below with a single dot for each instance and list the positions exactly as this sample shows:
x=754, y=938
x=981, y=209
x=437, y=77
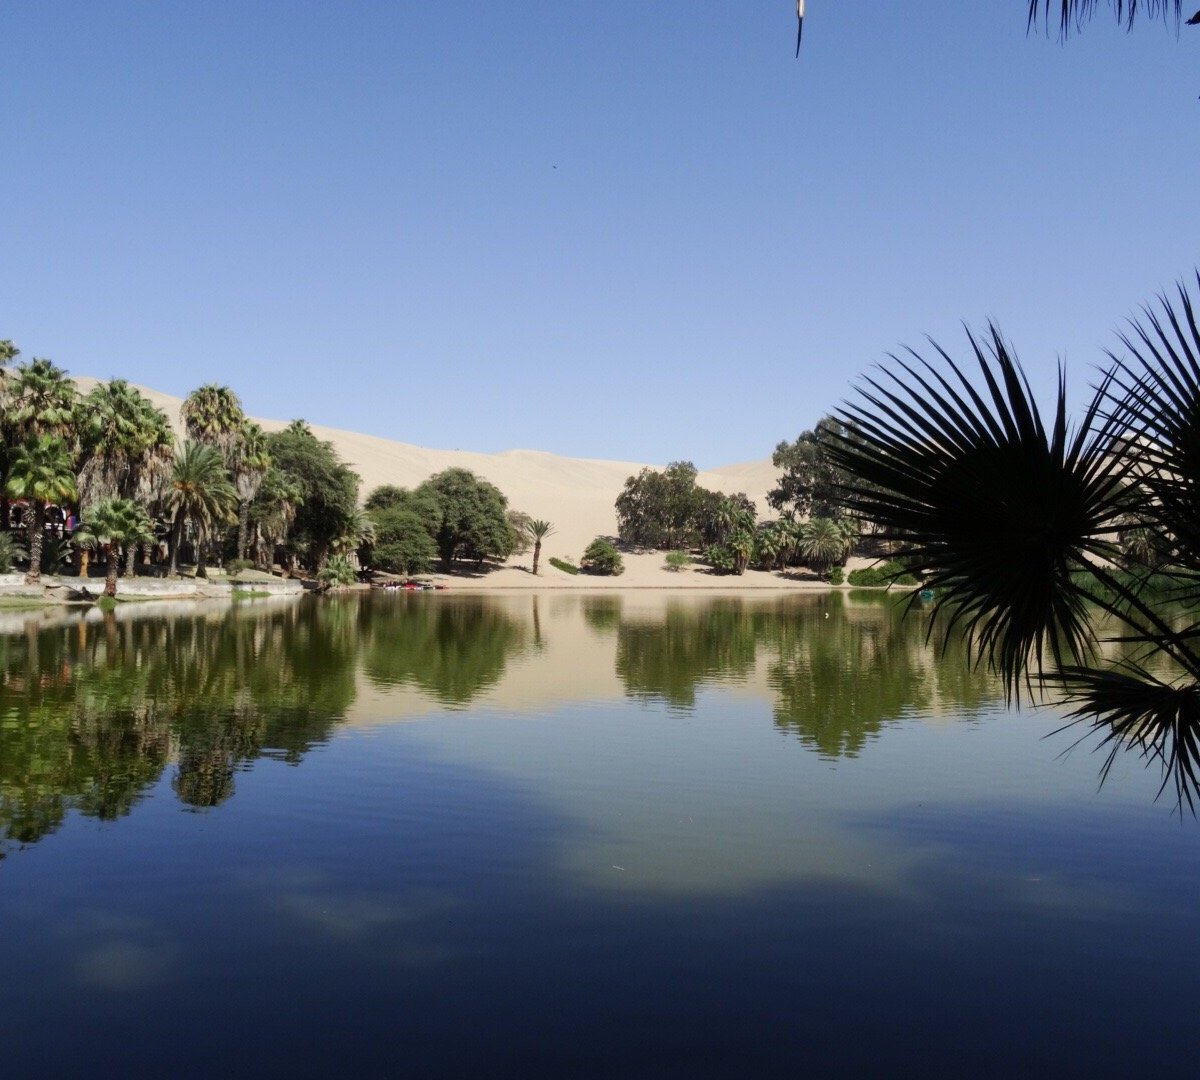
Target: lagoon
x=640, y=834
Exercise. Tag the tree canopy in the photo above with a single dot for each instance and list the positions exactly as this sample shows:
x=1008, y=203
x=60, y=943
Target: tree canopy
x=468, y=516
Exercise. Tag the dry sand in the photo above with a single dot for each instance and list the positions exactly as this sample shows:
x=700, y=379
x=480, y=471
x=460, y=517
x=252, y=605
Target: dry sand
x=575, y=494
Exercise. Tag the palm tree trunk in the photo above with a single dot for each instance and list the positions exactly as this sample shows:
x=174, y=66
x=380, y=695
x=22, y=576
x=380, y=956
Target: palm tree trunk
x=176, y=540
x=131, y=560
x=111, y=560
x=243, y=542
x=37, y=532
x=537, y=554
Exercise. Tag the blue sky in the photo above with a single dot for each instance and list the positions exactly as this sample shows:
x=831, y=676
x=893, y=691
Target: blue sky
x=637, y=229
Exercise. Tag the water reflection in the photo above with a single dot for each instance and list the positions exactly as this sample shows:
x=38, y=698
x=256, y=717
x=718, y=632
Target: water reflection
x=452, y=648
x=92, y=710
x=843, y=669
x=96, y=709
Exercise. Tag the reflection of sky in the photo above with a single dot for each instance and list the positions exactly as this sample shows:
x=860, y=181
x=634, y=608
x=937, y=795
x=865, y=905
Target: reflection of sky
x=718, y=801
x=602, y=885
x=447, y=887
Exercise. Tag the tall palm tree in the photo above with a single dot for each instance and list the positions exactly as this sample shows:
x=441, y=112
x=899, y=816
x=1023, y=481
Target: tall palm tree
x=126, y=444
x=42, y=471
x=537, y=531
x=1001, y=510
x=199, y=493
x=249, y=461
x=41, y=400
x=113, y=524
x=213, y=415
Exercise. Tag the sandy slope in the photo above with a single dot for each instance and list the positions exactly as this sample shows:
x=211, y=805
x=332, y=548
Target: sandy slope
x=576, y=494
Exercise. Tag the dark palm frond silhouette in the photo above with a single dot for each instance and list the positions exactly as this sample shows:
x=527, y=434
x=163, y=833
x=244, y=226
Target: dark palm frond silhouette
x=1013, y=520
x=1072, y=14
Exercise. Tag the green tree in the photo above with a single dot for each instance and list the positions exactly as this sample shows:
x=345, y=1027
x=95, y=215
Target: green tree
x=328, y=490
x=42, y=471
x=402, y=543
x=469, y=516
x=200, y=494
x=665, y=509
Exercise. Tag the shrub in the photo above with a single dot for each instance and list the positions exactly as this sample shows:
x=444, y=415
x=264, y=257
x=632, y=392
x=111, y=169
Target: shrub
x=602, y=557
x=337, y=571
x=564, y=566
x=10, y=550
x=890, y=573
x=677, y=560
x=721, y=558
x=235, y=566
x=836, y=576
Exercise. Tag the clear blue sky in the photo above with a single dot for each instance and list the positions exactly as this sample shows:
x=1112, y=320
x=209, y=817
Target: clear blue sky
x=636, y=229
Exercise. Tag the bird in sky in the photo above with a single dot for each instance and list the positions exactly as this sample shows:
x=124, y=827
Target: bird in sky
x=800, y=23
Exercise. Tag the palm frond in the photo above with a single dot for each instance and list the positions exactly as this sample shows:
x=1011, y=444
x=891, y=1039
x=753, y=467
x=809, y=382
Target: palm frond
x=991, y=505
x=1072, y=14
x=1132, y=709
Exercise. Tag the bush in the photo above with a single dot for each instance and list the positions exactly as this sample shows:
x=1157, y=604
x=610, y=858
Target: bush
x=677, y=560
x=721, y=558
x=235, y=566
x=890, y=573
x=564, y=566
x=602, y=557
x=10, y=550
x=836, y=576
x=337, y=571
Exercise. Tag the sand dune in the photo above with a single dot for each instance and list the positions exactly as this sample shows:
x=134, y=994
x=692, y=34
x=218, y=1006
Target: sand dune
x=575, y=494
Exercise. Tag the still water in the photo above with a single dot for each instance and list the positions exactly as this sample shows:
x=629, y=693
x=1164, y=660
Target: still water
x=622, y=836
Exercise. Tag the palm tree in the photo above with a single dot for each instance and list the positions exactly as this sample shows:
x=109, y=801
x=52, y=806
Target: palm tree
x=113, y=524
x=249, y=461
x=1001, y=510
x=41, y=400
x=273, y=513
x=213, y=415
x=199, y=492
x=538, y=530
x=42, y=471
x=824, y=543
x=357, y=528
x=127, y=444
